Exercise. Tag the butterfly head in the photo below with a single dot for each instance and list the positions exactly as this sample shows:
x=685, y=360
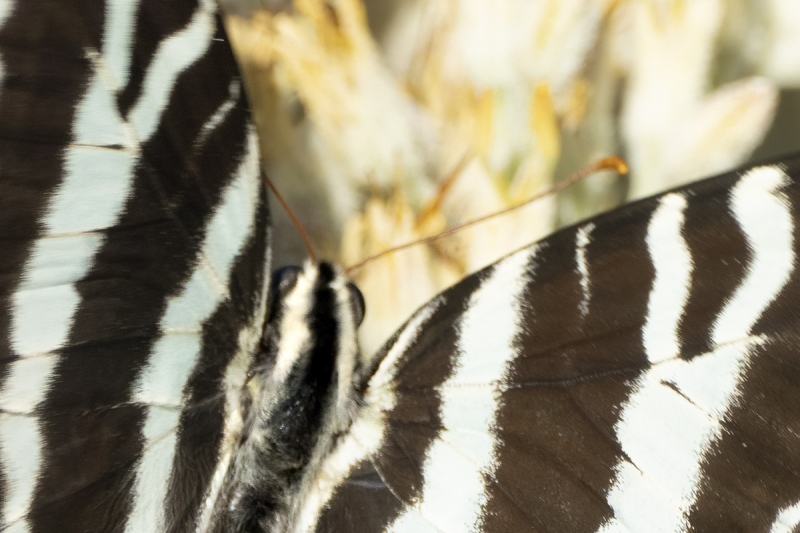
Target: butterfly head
x=310, y=341
x=301, y=394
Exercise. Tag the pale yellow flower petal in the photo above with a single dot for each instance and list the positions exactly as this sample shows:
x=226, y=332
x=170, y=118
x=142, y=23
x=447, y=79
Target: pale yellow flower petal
x=727, y=127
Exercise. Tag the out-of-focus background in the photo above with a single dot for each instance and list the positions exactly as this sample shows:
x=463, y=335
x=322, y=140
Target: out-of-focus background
x=384, y=121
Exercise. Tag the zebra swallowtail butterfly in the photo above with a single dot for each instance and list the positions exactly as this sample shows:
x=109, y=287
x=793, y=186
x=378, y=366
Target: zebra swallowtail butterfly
x=637, y=372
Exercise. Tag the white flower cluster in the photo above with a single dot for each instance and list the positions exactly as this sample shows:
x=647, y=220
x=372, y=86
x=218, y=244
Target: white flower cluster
x=457, y=108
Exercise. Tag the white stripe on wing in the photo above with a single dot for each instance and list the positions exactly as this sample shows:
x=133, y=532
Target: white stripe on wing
x=582, y=240
x=462, y=457
x=676, y=410
x=175, y=355
x=99, y=171
x=91, y=197
x=174, y=55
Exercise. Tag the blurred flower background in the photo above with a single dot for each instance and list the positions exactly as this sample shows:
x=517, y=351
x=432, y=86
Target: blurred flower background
x=384, y=121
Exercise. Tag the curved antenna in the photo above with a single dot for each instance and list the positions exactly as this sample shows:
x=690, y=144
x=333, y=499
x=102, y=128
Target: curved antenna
x=300, y=229
x=614, y=163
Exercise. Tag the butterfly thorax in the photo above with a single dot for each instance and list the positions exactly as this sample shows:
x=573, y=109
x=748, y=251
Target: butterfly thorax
x=299, y=398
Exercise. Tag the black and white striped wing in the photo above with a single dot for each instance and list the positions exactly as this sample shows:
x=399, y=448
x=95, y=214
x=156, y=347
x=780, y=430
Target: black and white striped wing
x=640, y=372
x=133, y=231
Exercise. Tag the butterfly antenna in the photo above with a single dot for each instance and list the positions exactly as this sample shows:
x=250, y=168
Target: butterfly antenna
x=614, y=163
x=300, y=229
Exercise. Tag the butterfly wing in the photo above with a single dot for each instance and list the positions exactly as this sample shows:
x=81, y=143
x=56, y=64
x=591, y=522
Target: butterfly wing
x=133, y=228
x=636, y=372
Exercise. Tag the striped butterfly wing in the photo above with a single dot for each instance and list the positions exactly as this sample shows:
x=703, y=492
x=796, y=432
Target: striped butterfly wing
x=133, y=229
x=638, y=372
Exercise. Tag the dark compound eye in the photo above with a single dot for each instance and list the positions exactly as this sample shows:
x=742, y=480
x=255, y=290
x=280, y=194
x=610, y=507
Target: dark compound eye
x=283, y=280
x=357, y=303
